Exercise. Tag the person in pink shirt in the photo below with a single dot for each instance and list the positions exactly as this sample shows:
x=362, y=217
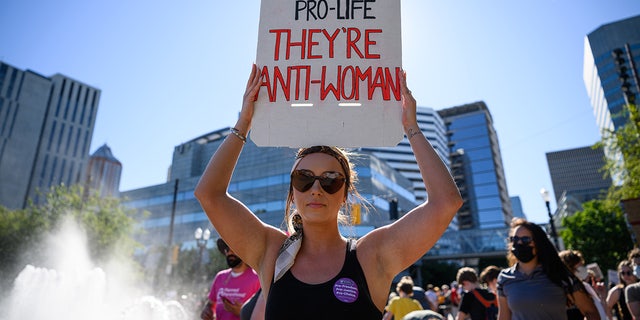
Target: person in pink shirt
x=231, y=288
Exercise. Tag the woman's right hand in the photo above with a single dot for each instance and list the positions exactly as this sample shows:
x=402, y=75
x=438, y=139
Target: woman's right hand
x=409, y=117
x=248, y=100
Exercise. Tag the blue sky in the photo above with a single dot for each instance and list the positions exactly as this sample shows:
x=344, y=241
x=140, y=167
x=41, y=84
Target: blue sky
x=172, y=70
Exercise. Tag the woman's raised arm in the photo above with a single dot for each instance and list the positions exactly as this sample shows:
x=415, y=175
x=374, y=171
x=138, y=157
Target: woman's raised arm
x=427, y=222
x=240, y=229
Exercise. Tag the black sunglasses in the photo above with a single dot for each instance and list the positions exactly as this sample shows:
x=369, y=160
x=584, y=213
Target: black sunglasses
x=526, y=240
x=626, y=273
x=330, y=181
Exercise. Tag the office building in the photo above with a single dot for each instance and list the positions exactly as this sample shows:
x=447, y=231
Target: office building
x=577, y=177
x=516, y=206
x=261, y=181
x=103, y=172
x=401, y=156
x=46, y=125
x=476, y=164
x=611, y=57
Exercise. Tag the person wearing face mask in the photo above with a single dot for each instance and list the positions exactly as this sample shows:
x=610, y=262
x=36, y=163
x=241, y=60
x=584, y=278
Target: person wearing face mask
x=538, y=285
x=575, y=263
x=231, y=287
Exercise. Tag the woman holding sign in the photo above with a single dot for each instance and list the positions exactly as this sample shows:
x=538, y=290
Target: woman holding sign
x=315, y=273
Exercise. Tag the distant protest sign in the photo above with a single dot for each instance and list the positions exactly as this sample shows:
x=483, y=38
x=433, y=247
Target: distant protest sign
x=330, y=73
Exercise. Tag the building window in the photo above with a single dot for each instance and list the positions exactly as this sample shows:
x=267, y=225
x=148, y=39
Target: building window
x=54, y=166
x=93, y=104
x=59, y=142
x=75, y=107
x=60, y=94
x=66, y=109
x=51, y=135
x=67, y=149
x=3, y=73
x=75, y=147
x=84, y=105
x=12, y=82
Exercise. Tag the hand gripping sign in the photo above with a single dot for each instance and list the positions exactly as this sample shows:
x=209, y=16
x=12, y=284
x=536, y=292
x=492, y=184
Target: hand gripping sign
x=330, y=73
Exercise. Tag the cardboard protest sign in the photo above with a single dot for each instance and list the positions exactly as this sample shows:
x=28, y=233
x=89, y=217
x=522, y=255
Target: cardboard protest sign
x=330, y=73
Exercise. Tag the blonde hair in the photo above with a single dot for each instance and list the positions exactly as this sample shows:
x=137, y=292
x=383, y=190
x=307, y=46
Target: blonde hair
x=349, y=191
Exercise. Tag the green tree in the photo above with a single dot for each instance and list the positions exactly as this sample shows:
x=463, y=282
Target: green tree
x=19, y=229
x=600, y=232
x=626, y=170
x=108, y=224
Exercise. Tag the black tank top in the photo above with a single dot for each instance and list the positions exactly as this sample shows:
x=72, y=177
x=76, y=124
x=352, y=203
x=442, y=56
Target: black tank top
x=346, y=296
x=620, y=309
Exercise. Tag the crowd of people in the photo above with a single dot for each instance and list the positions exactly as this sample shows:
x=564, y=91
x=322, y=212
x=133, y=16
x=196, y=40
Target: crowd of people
x=311, y=271
x=541, y=283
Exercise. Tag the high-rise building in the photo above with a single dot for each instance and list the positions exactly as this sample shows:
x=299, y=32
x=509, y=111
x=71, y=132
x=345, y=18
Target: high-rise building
x=477, y=167
x=611, y=57
x=46, y=125
x=577, y=177
x=261, y=181
x=401, y=156
x=516, y=205
x=103, y=172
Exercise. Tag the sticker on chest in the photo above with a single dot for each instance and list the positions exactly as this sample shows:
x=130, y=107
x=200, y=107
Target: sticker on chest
x=345, y=290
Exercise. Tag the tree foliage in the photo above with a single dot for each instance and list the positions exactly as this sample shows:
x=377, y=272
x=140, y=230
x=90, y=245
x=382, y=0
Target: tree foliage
x=108, y=224
x=600, y=232
x=626, y=170
x=19, y=229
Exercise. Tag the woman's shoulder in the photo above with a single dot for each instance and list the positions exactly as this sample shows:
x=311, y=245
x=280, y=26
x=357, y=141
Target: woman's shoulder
x=634, y=287
x=617, y=288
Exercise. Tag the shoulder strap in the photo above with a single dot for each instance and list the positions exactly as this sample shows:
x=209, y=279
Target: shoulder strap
x=486, y=303
x=351, y=244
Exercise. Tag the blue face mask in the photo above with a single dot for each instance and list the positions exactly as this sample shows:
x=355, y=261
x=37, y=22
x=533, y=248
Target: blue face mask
x=636, y=271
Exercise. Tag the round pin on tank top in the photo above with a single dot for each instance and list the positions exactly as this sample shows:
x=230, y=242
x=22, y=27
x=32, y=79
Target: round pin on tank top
x=345, y=290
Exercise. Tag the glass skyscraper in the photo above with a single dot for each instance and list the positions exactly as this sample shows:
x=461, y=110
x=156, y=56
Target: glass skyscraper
x=611, y=57
x=477, y=167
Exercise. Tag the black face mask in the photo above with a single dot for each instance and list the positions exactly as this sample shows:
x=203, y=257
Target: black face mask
x=233, y=261
x=523, y=252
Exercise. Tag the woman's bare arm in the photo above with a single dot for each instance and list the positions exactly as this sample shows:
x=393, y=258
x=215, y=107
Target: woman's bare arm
x=238, y=226
x=427, y=222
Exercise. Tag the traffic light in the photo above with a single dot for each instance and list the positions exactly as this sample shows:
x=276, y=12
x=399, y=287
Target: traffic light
x=393, y=209
x=175, y=252
x=356, y=216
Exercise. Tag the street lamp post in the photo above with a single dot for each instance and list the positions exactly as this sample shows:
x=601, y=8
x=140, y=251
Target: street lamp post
x=545, y=196
x=202, y=237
